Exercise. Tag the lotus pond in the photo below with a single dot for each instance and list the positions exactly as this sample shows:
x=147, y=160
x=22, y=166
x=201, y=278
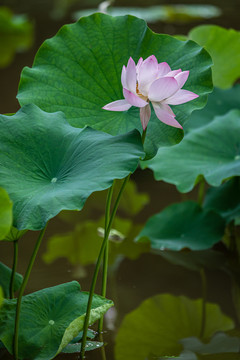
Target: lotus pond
x=119, y=181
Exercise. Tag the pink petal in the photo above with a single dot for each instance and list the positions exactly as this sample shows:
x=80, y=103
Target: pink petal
x=182, y=78
x=140, y=61
x=167, y=108
x=147, y=74
x=181, y=97
x=162, y=88
x=119, y=105
x=123, y=76
x=131, y=77
x=165, y=116
x=145, y=114
x=134, y=99
x=174, y=73
x=163, y=69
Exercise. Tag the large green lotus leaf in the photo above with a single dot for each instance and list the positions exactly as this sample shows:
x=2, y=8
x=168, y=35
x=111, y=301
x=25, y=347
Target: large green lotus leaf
x=78, y=71
x=47, y=165
x=212, y=151
x=183, y=225
x=158, y=324
x=219, y=103
x=16, y=34
x=49, y=320
x=225, y=199
x=5, y=276
x=82, y=245
x=224, y=47
x=6, y=216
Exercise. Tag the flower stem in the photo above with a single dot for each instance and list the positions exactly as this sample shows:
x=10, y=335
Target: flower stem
x=204, y=297
x=97, y=267
x=105, y=257
x=103, y=352
x=14, y=267
x=21, y=291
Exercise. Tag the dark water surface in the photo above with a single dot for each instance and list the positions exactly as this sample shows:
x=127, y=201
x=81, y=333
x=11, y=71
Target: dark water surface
x=134, y=280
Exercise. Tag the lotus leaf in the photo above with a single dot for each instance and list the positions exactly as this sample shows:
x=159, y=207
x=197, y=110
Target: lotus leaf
x=78, y=71
x=47, y=165
x=212, y=151
x=170, y=229
x=49, y=320
x=156, y=326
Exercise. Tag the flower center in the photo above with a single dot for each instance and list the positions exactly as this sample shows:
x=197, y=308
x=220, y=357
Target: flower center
x=139, y=94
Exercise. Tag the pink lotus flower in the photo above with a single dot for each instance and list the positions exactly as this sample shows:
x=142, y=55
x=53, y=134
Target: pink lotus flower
x=149, y=81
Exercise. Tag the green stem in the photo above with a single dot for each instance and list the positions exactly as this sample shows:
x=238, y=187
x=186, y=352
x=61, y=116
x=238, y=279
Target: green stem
x=204, y=302
x=103, y=353
x=105, y=257
x=201, y=192
x=97, y=267
x=21, y=291
x=14, y=267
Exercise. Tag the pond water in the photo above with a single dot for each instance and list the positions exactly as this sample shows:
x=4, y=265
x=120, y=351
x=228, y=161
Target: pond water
x=131, y=281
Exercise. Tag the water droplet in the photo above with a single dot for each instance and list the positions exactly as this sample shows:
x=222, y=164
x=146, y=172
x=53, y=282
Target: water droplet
x=237, y=157
x=54, y=180
x=51, y=322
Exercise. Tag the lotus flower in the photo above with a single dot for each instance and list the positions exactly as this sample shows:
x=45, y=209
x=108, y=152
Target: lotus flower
x=150, y=81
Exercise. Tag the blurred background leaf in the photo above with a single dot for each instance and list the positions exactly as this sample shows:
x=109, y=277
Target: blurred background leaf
x=82, y=245
x=156, y=326
x=168, y=13
x=224, y=47
x=16, y=35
